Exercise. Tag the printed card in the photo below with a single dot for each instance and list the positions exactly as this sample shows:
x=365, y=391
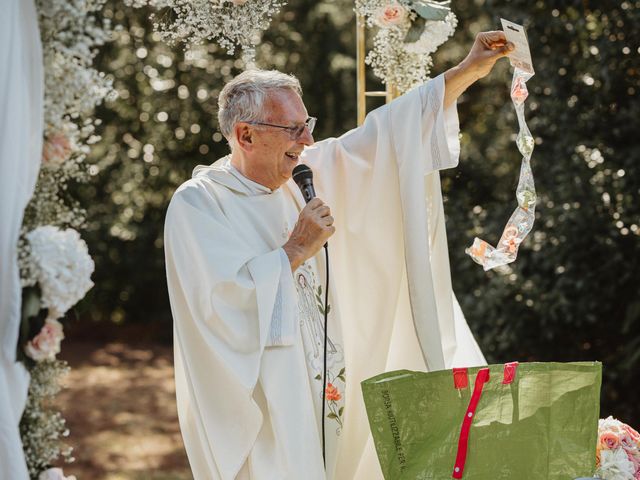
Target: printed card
x=521, y=56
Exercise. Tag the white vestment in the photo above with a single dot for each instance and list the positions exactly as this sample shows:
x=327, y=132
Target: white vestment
x=21, y=127
x=245, y=399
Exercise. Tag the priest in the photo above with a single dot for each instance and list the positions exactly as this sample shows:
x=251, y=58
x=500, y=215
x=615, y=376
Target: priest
x=246, y=275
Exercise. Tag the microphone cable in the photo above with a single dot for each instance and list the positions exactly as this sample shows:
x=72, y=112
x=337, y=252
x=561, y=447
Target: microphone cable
x=303, y=177
x=324, y=379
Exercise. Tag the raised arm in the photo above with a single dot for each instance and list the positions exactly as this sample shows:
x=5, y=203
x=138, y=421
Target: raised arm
x=487, y=49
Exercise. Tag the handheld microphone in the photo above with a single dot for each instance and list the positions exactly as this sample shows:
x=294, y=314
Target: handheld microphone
x=303, y=176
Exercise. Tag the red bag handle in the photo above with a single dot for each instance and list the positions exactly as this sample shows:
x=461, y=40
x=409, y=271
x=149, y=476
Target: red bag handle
x=461, y=381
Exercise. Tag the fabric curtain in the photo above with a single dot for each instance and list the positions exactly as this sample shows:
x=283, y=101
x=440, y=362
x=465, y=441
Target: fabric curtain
x=21, y=129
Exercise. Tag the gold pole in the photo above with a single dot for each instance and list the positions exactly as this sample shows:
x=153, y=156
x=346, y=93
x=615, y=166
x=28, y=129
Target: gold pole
x=390, y=91
x=360, y=72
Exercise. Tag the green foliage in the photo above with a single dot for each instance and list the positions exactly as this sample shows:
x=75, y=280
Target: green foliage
x=573, y=292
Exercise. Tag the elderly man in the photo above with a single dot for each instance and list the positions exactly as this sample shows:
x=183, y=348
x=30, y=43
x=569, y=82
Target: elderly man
x=246, y=278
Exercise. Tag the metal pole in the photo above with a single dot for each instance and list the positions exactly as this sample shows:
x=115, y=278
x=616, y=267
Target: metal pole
x=360, y=72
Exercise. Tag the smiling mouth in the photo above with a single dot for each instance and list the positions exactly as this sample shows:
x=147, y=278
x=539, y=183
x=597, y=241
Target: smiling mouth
x=293, y=155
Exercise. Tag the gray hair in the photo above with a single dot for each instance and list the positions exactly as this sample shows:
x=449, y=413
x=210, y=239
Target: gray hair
x=242, y=99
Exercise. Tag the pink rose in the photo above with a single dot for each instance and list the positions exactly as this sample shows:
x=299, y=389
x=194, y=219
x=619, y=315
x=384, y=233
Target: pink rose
x=55, y=474
x=56, y=149
x=390, y=15
x=609, y=440
x=635, y=436
x=46, y=344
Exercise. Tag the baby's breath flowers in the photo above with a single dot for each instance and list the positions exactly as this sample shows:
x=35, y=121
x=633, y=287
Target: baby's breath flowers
x=229, y=23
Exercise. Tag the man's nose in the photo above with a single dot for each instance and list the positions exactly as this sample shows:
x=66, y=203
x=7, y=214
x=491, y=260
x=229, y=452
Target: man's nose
x=306, y=138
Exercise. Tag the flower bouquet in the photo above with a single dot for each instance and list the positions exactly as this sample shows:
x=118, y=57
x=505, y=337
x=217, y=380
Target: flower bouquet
x=58, y=274
x=618, y=451
x=409, y=32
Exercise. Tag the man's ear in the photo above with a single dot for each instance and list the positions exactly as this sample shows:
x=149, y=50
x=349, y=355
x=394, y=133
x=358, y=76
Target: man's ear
x=244, y=136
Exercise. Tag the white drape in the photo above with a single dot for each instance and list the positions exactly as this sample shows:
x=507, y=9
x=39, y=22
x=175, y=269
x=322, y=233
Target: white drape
x=21, y=128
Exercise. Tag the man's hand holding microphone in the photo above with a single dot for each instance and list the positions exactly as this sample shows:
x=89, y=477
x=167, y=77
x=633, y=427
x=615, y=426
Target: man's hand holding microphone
x=314, y=225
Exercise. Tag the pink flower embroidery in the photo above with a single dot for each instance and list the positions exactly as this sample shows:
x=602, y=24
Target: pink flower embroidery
x=332, y=393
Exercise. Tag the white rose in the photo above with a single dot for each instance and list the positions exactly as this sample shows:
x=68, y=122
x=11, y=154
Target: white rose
x=55, y=474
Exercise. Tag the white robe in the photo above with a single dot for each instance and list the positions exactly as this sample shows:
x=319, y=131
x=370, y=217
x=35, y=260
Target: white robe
x=244, y=400
x=21, y=127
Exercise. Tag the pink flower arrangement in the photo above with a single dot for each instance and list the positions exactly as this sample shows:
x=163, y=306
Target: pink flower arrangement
x=56, y=149
x=391, y=15
x=618, y=451
x=46, y=344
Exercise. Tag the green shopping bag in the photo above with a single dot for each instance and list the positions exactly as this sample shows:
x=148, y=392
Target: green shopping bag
x=528, y=421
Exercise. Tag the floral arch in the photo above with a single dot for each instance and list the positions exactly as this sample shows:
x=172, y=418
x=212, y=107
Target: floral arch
x=54, y=261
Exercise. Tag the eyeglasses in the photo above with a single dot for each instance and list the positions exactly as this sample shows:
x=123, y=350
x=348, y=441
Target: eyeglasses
x=294, y=132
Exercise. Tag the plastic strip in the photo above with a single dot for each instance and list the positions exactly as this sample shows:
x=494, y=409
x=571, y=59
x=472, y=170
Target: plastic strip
x=521, y=221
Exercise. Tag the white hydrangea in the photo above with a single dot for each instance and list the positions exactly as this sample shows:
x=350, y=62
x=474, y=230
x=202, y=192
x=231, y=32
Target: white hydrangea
x=615, y=465
x=62, y=266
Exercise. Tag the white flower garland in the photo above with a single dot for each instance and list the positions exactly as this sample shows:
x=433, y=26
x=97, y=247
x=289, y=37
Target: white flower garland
x=55, y=264
x=409, y=31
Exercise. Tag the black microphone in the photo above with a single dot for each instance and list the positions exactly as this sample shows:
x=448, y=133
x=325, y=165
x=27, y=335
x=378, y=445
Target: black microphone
x=303, y=176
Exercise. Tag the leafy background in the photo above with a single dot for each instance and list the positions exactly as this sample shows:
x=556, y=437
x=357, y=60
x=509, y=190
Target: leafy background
x=573, y=293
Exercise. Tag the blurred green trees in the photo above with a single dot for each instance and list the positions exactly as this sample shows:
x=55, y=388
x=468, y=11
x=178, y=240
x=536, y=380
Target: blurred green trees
x=573, y=293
